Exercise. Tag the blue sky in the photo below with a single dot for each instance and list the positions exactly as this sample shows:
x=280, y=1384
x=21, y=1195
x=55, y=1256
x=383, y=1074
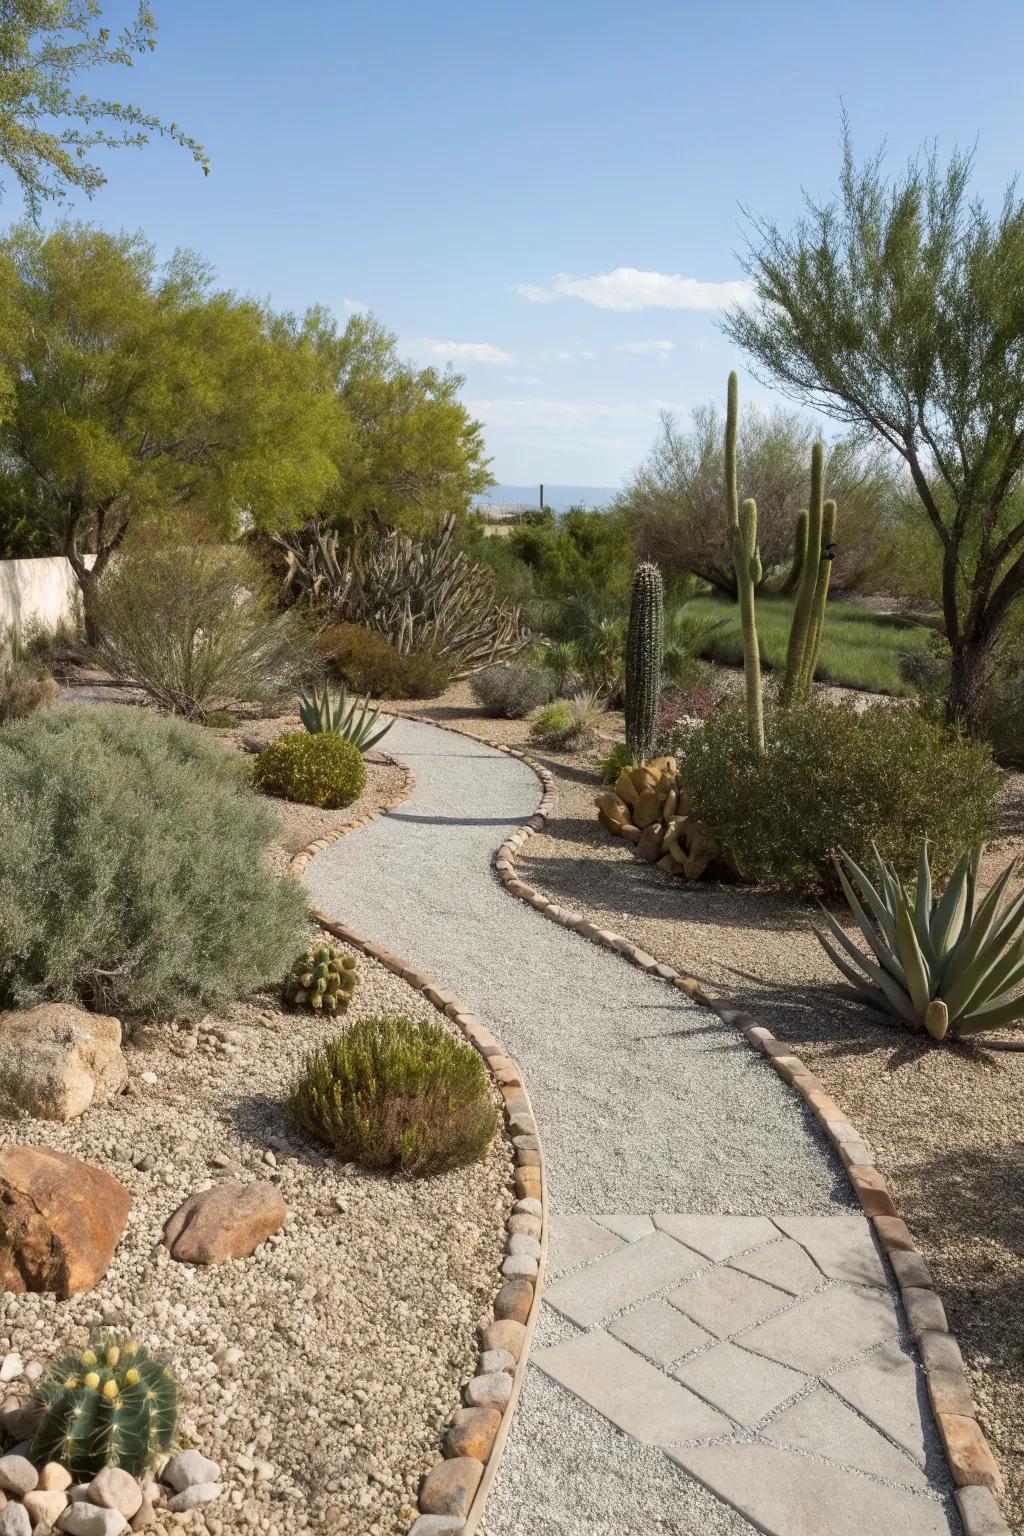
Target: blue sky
x=489, y=177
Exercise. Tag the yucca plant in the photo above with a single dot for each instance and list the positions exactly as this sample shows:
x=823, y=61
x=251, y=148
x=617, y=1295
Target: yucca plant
x=353, y=722
x=950, y=965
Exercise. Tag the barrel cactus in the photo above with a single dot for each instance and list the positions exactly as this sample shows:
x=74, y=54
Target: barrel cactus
x=113, y=1405
x=643, y=659
x=324, y=980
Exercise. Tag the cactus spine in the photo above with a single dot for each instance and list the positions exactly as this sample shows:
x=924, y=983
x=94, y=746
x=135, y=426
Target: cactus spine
x=643, y=660
x=114, y=1405
x=746, y=562
x=812, y=587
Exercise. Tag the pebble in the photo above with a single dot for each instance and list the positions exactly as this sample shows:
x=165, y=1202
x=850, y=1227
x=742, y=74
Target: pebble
x=189, y=1468
x=17, y=1475
x=114, y=1488
x=85, y=1519
x=11, y=1367
x=194, y=1495
x=15, y=1520
x=150, y=1077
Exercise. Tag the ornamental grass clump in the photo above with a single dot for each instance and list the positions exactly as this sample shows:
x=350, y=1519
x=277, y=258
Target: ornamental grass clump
x=947, y=963
x=569, y=723
x=398, y=1096
x=321, y=770
x=113, y=1405
x=135, y=876
x=832, y=777
x=510, y=691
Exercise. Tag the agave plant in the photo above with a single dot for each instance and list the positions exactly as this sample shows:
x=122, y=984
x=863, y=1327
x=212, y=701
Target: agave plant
x=950, y=965
x=353, y=722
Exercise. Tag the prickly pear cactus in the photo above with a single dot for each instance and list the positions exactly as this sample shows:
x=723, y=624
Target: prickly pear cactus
x=324, y=981
x=113, y=1405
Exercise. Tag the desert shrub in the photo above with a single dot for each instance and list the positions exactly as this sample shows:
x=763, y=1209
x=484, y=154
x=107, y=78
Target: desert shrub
x=615, y=761
x=510, y=692
x=396, y=1095
x=568, y=722
x=832, y=778
x=195, y=626
x=25, y=685
x=321, y=769
x=135, y=875
x=371, y=665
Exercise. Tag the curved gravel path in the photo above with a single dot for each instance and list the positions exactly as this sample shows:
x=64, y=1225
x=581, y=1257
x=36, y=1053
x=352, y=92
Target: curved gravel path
x=648, y=1104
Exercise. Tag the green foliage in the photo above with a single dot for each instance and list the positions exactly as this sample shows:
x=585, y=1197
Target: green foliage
x=859, y=648
x=947, y=964
x=113, y=1405
x=568, y=723
x=897, y=308
x=320, y=770
x=322, y=980
x=194, y=625
x=617, y=761
x=45, y=46
x=510, y=691
x=644, y=656
x=374, y=667
x=355, y=722
x=398, y=1096
x=592, y=553
x=135, y=875
x=832, y=777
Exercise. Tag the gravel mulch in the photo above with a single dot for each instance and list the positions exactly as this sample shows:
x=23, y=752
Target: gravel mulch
x=947, y=1126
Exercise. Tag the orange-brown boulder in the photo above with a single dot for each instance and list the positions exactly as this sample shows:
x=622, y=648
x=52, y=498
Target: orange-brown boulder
x=228, y=1221
x=60, y=1220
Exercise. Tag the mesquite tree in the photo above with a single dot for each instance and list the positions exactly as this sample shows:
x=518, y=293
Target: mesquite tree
x=899, y=308
x=644, y=642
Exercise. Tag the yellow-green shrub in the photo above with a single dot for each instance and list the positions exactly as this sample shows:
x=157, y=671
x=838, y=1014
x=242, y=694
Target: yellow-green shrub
x=318, y=770
x=370, y=664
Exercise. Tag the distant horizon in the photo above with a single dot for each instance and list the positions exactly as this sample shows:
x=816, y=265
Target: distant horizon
x=559, y=497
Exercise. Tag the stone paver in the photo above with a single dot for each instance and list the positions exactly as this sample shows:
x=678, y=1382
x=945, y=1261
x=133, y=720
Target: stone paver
x=630, y=1274
x=784, y=1264
x=824, y=1425
x=842, y=1247
x=635, y=1395
x=660, y=1332
x=717, y=1237
x=887, y=1388
x=724, y=1301
x=786, y=1494
x=626, y=1226
x=575, y=1240
x=745, y=1386
x=825, y=1330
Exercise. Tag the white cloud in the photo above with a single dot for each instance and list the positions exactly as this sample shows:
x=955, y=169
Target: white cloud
x=530, y=413
x=463, y=351
x=355, y=306
x=627, y=288
x=648, y=348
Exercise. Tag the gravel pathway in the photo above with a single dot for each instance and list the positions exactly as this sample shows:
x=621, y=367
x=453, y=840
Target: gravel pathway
x=645, y=1104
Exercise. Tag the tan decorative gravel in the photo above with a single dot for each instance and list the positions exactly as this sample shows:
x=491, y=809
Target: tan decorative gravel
x=946, y=1126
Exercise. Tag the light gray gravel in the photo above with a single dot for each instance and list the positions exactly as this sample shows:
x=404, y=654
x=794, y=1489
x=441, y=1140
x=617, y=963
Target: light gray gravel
x=644, y=1101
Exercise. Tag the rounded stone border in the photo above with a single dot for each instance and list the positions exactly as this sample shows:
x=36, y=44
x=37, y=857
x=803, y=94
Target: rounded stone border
x=453, y=1493
x=973, y=1466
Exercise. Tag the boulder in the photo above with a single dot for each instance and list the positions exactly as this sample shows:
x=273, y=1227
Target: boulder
x=58, y=1059
x=228, y=1221
x=60, y=1220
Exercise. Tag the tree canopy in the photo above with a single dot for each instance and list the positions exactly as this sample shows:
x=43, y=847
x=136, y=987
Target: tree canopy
x=48, y=128
x=898, y=307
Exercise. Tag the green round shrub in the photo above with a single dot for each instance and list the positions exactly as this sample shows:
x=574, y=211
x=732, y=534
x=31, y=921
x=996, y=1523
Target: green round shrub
x=371, y=665
x=831, y=778
x=396, y=1095
x=320, y=769
x=135, y=876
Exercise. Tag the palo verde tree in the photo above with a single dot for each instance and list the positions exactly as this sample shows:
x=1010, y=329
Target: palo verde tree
x=898, y=308
x=49, y=128
x=139, y=392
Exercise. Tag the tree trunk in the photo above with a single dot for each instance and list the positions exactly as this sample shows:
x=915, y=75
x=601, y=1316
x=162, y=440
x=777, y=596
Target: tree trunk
x=969, y=675
x=88, y=584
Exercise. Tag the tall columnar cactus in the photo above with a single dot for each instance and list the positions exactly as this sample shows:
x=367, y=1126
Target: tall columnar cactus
x=644, y=642
x=114, y=1405
x=746, y=560
x=812, y=588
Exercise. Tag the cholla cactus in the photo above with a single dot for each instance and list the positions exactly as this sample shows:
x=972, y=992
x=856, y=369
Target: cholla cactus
x=113, y=1405
x=324, y=981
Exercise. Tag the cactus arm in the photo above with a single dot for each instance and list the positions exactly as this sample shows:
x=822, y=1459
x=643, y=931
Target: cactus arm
x=747, y=563
x=817, y=620
x=732, y=408
x=800, y=528
x=802, y=610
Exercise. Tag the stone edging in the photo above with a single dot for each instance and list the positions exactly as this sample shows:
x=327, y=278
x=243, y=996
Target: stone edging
x=973, y=1467
x=454, y=1491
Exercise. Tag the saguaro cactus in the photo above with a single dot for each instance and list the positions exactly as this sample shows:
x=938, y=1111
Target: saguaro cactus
x=818, y=549
x=643, y=660
x=746, y=562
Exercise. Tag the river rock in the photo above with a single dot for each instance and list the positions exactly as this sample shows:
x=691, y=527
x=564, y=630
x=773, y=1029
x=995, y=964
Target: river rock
x=114, y=1488
x=228, y=1221
x=58, y=1059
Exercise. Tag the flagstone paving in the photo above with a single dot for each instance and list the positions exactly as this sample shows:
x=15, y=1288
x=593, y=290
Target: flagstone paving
x=719, y=1351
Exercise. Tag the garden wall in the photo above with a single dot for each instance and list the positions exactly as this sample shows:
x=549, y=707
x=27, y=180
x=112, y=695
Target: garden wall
x=41, y=591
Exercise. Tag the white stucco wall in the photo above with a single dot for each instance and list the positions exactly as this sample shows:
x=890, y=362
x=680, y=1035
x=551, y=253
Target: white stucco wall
x=43, y=591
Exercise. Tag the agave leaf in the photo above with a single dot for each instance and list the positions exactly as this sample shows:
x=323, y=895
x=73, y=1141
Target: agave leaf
x=882, y=914
x=875, y=996
x=914, y=962
x=948, y=917
x=923, y=903
x=997, y=1016
x=884, y=952
x=898, y=1002
x=972, y=886
x=985, y=920
x=986, y=985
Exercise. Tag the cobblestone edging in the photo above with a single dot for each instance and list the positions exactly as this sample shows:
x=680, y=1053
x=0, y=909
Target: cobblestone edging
x=971, y=1462
x=454, y=1491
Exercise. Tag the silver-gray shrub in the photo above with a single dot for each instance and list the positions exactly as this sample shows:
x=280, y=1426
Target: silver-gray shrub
x=135, y=875
x=195, y=626
x=510, y=692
